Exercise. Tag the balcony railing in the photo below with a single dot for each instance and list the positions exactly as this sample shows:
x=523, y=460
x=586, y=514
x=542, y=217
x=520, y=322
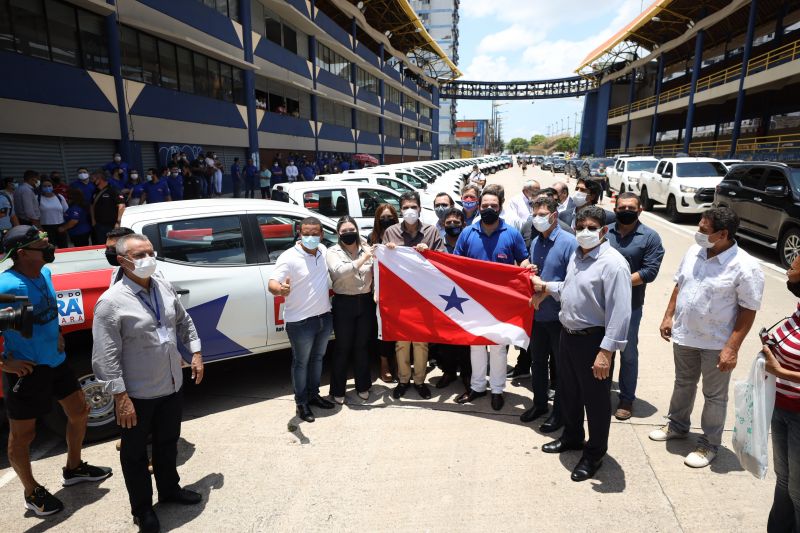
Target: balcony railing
x=768, y=144
x=773, y=58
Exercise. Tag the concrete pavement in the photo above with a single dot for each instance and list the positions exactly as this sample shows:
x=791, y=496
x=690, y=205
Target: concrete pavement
x=416, y=465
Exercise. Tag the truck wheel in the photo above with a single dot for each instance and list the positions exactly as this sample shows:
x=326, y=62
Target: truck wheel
x=789, y=246
x=647, y=203
x=102, y=419
x=672, y=210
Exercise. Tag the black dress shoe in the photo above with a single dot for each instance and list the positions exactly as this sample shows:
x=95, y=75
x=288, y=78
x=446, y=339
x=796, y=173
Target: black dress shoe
x=585, y=469
x=147, y=522
x=305, y=414
x=400, y=390
x=183, y=497
x=559, y=446
x=445, y=380
x=553, y=423
x=423, y=391
x=497, y=401
x=321, y=402
x=470, y=396
x=532, y=414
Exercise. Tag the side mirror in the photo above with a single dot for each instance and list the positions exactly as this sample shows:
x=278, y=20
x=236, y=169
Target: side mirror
x=776, y=190
x=667, y=175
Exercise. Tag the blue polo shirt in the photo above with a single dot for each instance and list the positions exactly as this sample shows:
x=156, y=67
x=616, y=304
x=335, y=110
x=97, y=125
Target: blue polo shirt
x=308, y=173
x=643, y=250
x=175, y=184
x=84, y=226
x=551, y=257
x=87, y=189
x=235, y=173
x=156, y=192
x=42, y=347
x=136, y=189
x=504, y=245
x=250, y=172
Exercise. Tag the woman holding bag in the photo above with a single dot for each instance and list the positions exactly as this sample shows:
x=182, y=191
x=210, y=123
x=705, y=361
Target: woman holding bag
x=782, y=352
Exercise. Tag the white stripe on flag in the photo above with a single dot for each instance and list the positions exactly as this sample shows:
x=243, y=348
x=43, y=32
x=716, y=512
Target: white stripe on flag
x=427, y=280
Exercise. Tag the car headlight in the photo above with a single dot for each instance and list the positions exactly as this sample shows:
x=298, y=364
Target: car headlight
x=685, y=188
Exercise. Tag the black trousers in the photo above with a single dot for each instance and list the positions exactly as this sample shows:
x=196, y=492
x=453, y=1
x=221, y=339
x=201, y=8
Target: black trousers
x=545, y=340
x=580, y=391
x=99, y=233
x=452, y=358
x=160, y=417
x=353, y=318
x=54, y=236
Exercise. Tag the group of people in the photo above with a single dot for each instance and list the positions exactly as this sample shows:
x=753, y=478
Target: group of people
x=589, y=270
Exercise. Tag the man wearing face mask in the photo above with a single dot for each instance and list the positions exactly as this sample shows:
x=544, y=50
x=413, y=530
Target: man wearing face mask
x=595, y=299
x=477, y=177
x=301, y=276
x=641, y=247
x=413, y=233
x=441, y=205
x=137, y=326
x=490, y=240
x=157, y=190
x=565, y=201
x=106, y=209
x=519, y=210
x=26, y=199
x=718, y=289
x=117, y=163
x=469, y=203
x=35, y=370
x=175, y=184
x=587, y=193
x=83, y=184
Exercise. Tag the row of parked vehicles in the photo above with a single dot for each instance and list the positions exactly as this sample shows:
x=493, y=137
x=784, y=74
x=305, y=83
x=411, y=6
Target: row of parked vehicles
x=765, y=194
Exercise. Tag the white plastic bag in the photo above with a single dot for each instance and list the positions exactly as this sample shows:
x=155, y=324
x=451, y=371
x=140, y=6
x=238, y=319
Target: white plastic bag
x=754, y=401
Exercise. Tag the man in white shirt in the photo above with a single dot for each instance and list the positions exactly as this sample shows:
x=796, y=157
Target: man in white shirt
x=25, y=199
x=301, y=276
x=518, y=210
x=718, y=289
x=477, y=177
x=291, y=172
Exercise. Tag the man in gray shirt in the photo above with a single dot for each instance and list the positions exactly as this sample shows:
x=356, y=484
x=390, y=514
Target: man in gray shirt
x=595, y=312
x=138, y=324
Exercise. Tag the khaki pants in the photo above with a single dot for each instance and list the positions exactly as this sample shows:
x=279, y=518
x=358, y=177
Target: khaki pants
x=403, y=353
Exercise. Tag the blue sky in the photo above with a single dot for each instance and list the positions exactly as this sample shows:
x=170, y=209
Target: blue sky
x=503, y=40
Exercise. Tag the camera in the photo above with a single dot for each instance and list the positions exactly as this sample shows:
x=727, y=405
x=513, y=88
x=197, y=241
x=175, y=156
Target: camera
x=20, y=319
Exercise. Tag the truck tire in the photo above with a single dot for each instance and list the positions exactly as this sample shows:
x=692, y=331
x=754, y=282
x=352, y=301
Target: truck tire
x=647, y=203
x=672, y=210
x=789, y=246
x=102, y=419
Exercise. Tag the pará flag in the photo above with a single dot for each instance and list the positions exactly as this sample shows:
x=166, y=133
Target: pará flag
x=438, y=297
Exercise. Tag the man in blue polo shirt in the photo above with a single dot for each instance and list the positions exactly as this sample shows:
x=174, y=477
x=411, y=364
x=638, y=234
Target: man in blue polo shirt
x=491, y=240
x=250, y=179
x=550, y=253
x=83, y=184
x=156, y=191
x=175, y=183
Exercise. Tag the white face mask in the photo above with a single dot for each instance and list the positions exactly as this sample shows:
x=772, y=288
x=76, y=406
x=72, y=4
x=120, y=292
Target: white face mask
x=134, y=176
x=118, y=159
x=37, y=183
x=83, y=176
x=410, y=216
x=149, y=177
x=588, y=239
x=703, y=240
x=541, y=223
x=579, y=198
x=144, y=267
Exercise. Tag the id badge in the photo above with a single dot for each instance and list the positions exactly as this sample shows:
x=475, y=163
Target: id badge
x=163, y=335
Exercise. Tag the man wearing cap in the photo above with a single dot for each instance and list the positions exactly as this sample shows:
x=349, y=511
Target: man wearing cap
x=35, y=370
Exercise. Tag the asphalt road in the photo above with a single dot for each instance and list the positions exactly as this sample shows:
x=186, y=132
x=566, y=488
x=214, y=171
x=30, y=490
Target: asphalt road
x=416, y=465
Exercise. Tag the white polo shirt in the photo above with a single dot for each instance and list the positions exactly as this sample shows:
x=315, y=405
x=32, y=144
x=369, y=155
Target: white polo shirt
x=709, y=293
x=308, y=277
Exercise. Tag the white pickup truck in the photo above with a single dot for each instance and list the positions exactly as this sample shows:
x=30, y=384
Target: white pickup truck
x=626, y=171
x=685, y=185
x=218, y=254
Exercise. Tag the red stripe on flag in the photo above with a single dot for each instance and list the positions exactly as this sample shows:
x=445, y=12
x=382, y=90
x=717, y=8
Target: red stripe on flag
x=407, y=316
x=504, y=290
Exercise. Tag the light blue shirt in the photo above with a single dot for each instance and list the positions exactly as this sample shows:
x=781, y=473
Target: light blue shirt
x=596, y=292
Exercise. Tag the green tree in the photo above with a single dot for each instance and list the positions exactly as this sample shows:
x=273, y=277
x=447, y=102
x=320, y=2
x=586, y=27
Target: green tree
x=517, y=145
x=538, y=139
x=567, y=144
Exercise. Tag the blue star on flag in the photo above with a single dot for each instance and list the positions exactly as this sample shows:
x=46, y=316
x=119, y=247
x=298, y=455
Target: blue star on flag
x=453, y=301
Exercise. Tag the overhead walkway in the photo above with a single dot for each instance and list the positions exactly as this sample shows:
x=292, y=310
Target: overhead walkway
x=518, y=90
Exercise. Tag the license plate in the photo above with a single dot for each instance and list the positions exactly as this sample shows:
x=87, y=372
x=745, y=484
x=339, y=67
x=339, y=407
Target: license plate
x=70, y=307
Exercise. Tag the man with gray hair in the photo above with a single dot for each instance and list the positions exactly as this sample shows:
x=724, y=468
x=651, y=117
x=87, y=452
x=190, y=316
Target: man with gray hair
x=518, y=210
x=138, y=324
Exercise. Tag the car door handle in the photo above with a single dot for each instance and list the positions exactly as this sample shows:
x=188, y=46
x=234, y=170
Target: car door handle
x=756, y=199
x=182, y=292
x=731, y=193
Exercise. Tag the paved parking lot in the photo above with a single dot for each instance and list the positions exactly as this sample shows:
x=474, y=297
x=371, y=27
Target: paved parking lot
x=416, y=465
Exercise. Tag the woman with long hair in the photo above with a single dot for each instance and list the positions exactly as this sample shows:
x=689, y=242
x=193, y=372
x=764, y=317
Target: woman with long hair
x=385, y=216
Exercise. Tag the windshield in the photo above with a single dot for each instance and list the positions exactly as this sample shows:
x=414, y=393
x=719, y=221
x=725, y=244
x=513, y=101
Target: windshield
x=641, y=165
x=411, y=180
x=558, y=160
x=703, y=169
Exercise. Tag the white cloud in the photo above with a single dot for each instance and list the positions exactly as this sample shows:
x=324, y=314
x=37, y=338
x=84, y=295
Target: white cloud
x=515, y=37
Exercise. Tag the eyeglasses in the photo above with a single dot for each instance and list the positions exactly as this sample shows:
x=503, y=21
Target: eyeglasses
x=590, y=228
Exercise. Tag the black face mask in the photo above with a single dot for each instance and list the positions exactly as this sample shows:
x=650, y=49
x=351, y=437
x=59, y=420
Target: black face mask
x=348, y=238
x=111, y=257
x=453, y=231
x=489, y=216
x=386, y=222
x=794, y=288
x=48, y=254
x=627, y=217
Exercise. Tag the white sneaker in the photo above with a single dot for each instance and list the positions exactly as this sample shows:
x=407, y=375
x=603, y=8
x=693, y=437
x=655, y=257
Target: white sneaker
x=700, y=457
x=666, y=433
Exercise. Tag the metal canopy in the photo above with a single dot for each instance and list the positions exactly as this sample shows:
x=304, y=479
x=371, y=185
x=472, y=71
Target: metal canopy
x=518, y=90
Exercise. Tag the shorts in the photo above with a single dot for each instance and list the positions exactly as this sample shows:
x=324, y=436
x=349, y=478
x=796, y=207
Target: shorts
x=34, y=395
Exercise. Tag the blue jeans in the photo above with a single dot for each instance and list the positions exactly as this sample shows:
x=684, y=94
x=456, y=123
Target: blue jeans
x=309, y=339
x=785, y=512
x=629, y=359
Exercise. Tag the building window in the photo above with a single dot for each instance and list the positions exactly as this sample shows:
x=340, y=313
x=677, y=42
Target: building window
x=409, y=103
x=366, y=81
x=392, y=94
x=334, y=63
x=425, y=136
x=229, y=8
x=785, y=121
x=158, y=62
x=94, y=45
x=409, y=133
x=367, y=122
x=334, y=113
x=282, y=99
x=391, y=128
x=62, y=21
x=279, y=33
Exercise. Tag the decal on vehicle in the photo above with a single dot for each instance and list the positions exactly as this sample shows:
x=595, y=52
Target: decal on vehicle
x=70, y=307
